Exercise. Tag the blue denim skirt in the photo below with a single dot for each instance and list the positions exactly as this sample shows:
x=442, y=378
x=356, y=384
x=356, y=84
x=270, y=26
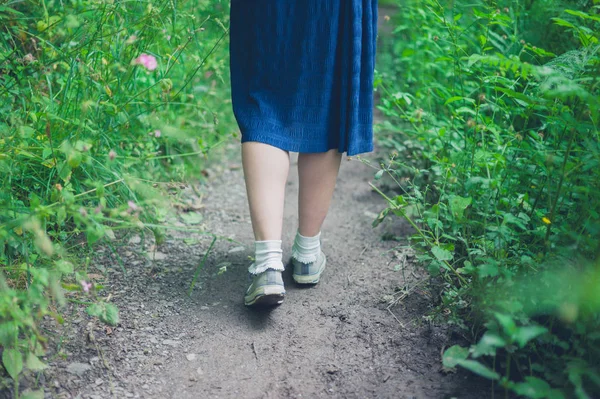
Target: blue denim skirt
x=302, y=73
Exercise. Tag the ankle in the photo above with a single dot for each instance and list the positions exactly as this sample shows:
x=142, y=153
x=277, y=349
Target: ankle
x=267, y=255
x=306, y=249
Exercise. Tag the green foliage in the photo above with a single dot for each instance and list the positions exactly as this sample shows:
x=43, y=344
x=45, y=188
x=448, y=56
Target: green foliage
x=100, y=102
x=106, y=312
x=12, y=361
x=492, y=120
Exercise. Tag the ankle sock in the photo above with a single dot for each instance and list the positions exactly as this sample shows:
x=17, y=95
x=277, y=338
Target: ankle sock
x=267, y=255
x=306, y=249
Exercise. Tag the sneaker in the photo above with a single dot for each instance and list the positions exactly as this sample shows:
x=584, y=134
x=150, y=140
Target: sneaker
x=266, y=289
x=309, y=273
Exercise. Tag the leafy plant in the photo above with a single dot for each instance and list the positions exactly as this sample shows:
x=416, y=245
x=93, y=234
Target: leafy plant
x=102, y=105
x=495, y=164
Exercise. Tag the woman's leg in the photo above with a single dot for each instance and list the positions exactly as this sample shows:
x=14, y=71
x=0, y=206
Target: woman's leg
x=317, y=174
x=265, y=171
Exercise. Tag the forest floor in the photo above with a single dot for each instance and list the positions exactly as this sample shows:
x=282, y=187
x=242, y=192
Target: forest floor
x=337, y=339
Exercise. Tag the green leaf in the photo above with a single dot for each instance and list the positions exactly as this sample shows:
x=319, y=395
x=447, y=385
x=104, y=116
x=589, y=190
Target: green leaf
x=527, y=333
x=399, y=201
x=13, y=362
x=533, y=387
x=507, y=323
x=64, y=266
x=466, y=110
x=28, y=394
x=65, y=173
x=441, y=254
x=26, y=131
x=34, y=364
x=562, y=22
x=8, y=332
x=70, y=287
x=583, y=15
x=454, y=355
x=93, y=233
x=487, y=344
x=379, y=174
x=94, y=309
x=509, y=218
x=458, y=98
x=191, y=217
x=381, y=217
x=488, y=270
x=524, y=99
x=434, y=268
x=106, y=312
x=468, y=268
x=9, y=10
x=479, y=369
x=72, y=21
x=74, y=159
x=61, y=215
x=111, y=315
x=458, y=205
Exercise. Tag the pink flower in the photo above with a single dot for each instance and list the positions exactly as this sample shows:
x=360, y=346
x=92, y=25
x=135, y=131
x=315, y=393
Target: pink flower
x=157, y=133
x=85, y=285
x=147, y=60
x=112, y=155
x=132, y=206
x=131, y=39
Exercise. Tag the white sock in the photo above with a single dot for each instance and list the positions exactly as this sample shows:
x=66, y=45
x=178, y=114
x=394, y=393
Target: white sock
x=267, y=255
x=306, y=249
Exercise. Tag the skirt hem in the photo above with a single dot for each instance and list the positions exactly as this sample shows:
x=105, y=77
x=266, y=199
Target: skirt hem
x=309, y=148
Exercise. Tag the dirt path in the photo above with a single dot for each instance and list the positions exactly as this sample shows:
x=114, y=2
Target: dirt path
x=335, y=340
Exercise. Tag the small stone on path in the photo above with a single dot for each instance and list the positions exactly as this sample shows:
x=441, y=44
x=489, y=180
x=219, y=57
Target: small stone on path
x=371, y=215
x=190, y=356
x=78, y=368
x=157, y=256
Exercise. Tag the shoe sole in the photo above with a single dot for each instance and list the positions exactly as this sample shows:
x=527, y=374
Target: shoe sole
x=310, y=279
x=265, y=296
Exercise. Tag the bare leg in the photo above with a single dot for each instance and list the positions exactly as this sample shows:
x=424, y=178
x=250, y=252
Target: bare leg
x=265, y=171
x=317, y=174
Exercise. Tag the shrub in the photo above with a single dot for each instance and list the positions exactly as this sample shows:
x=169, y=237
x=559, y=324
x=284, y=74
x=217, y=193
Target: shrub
x=99, y=103
x=495, y=160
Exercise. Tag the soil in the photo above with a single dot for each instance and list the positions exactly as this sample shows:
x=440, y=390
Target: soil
x=339, y=339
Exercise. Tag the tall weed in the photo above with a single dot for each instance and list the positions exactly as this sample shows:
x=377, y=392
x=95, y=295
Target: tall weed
x=492, y=122
x=102, y=103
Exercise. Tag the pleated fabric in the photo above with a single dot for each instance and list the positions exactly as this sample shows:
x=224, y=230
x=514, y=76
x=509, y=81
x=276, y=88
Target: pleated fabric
x=302, y=73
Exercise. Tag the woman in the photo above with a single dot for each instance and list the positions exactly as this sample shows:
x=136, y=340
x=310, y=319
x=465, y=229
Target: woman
x=302, y=81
